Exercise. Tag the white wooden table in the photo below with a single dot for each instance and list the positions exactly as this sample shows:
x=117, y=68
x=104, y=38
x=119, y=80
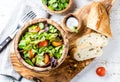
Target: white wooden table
x=111, y=57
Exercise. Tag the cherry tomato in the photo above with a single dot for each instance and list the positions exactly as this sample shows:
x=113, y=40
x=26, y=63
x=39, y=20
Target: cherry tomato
x=43, y=43
x=31, y=54
x=57, y=43
x=46, y=59
x=100, y=71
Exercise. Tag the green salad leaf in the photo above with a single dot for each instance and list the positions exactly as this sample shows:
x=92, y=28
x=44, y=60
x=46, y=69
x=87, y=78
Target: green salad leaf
x=41, y=25
x=29, y=62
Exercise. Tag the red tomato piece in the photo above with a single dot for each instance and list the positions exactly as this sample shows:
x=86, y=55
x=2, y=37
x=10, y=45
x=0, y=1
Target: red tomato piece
x=43, y=43
x=31, y=54
x=47, y=59
x=101, y=71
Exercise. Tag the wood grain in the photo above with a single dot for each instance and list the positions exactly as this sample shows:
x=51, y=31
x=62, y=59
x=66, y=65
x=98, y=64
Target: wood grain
x=64, y=73
x=69, y=68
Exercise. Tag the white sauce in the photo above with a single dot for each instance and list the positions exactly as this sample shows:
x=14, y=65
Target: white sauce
x=72, y=22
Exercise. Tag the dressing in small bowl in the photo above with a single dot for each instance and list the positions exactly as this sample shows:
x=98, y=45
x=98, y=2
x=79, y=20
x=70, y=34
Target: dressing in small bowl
x=71, y=23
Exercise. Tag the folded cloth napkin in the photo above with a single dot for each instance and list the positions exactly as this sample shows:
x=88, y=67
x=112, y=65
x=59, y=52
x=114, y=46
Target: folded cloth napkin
x=6, y=68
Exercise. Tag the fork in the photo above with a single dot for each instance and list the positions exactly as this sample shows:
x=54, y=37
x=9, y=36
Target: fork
x=28, y=16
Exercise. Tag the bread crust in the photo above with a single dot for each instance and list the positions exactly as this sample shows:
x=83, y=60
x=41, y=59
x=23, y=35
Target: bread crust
x=98, y=19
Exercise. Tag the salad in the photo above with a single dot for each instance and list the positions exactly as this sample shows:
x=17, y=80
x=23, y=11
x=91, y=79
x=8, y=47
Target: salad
x=42, y=45
x=56, y=5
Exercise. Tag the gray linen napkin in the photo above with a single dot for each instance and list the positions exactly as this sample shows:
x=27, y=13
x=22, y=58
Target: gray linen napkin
x=6, y=68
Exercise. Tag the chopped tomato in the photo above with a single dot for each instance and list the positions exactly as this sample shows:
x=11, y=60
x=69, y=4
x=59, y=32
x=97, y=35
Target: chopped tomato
x=35, y=30
x=31, y=54
x=101, y=71
x=46, y=59
x=43, y=43
x=57, y=43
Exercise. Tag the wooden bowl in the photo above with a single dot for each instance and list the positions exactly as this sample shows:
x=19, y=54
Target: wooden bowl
x=65, y=20
x=62, y=11
x=24, y=29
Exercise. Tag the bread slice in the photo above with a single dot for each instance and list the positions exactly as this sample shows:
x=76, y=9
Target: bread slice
x=87, y=53
x=92, y=39
x=98, y=19
x=89, y=46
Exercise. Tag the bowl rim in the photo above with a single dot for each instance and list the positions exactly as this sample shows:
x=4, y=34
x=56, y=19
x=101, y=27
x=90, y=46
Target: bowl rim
x=61, y=11
x=23, y=30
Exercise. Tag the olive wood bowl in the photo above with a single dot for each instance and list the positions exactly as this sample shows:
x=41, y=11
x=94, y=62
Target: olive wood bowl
x=65, y=20
x=25, y=28
x=61, y=11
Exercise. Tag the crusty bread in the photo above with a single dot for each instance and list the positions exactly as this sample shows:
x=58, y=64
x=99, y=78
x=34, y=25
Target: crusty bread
x=98, y=19
x=89, y=46
x=87, y=53
x=92, y=39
